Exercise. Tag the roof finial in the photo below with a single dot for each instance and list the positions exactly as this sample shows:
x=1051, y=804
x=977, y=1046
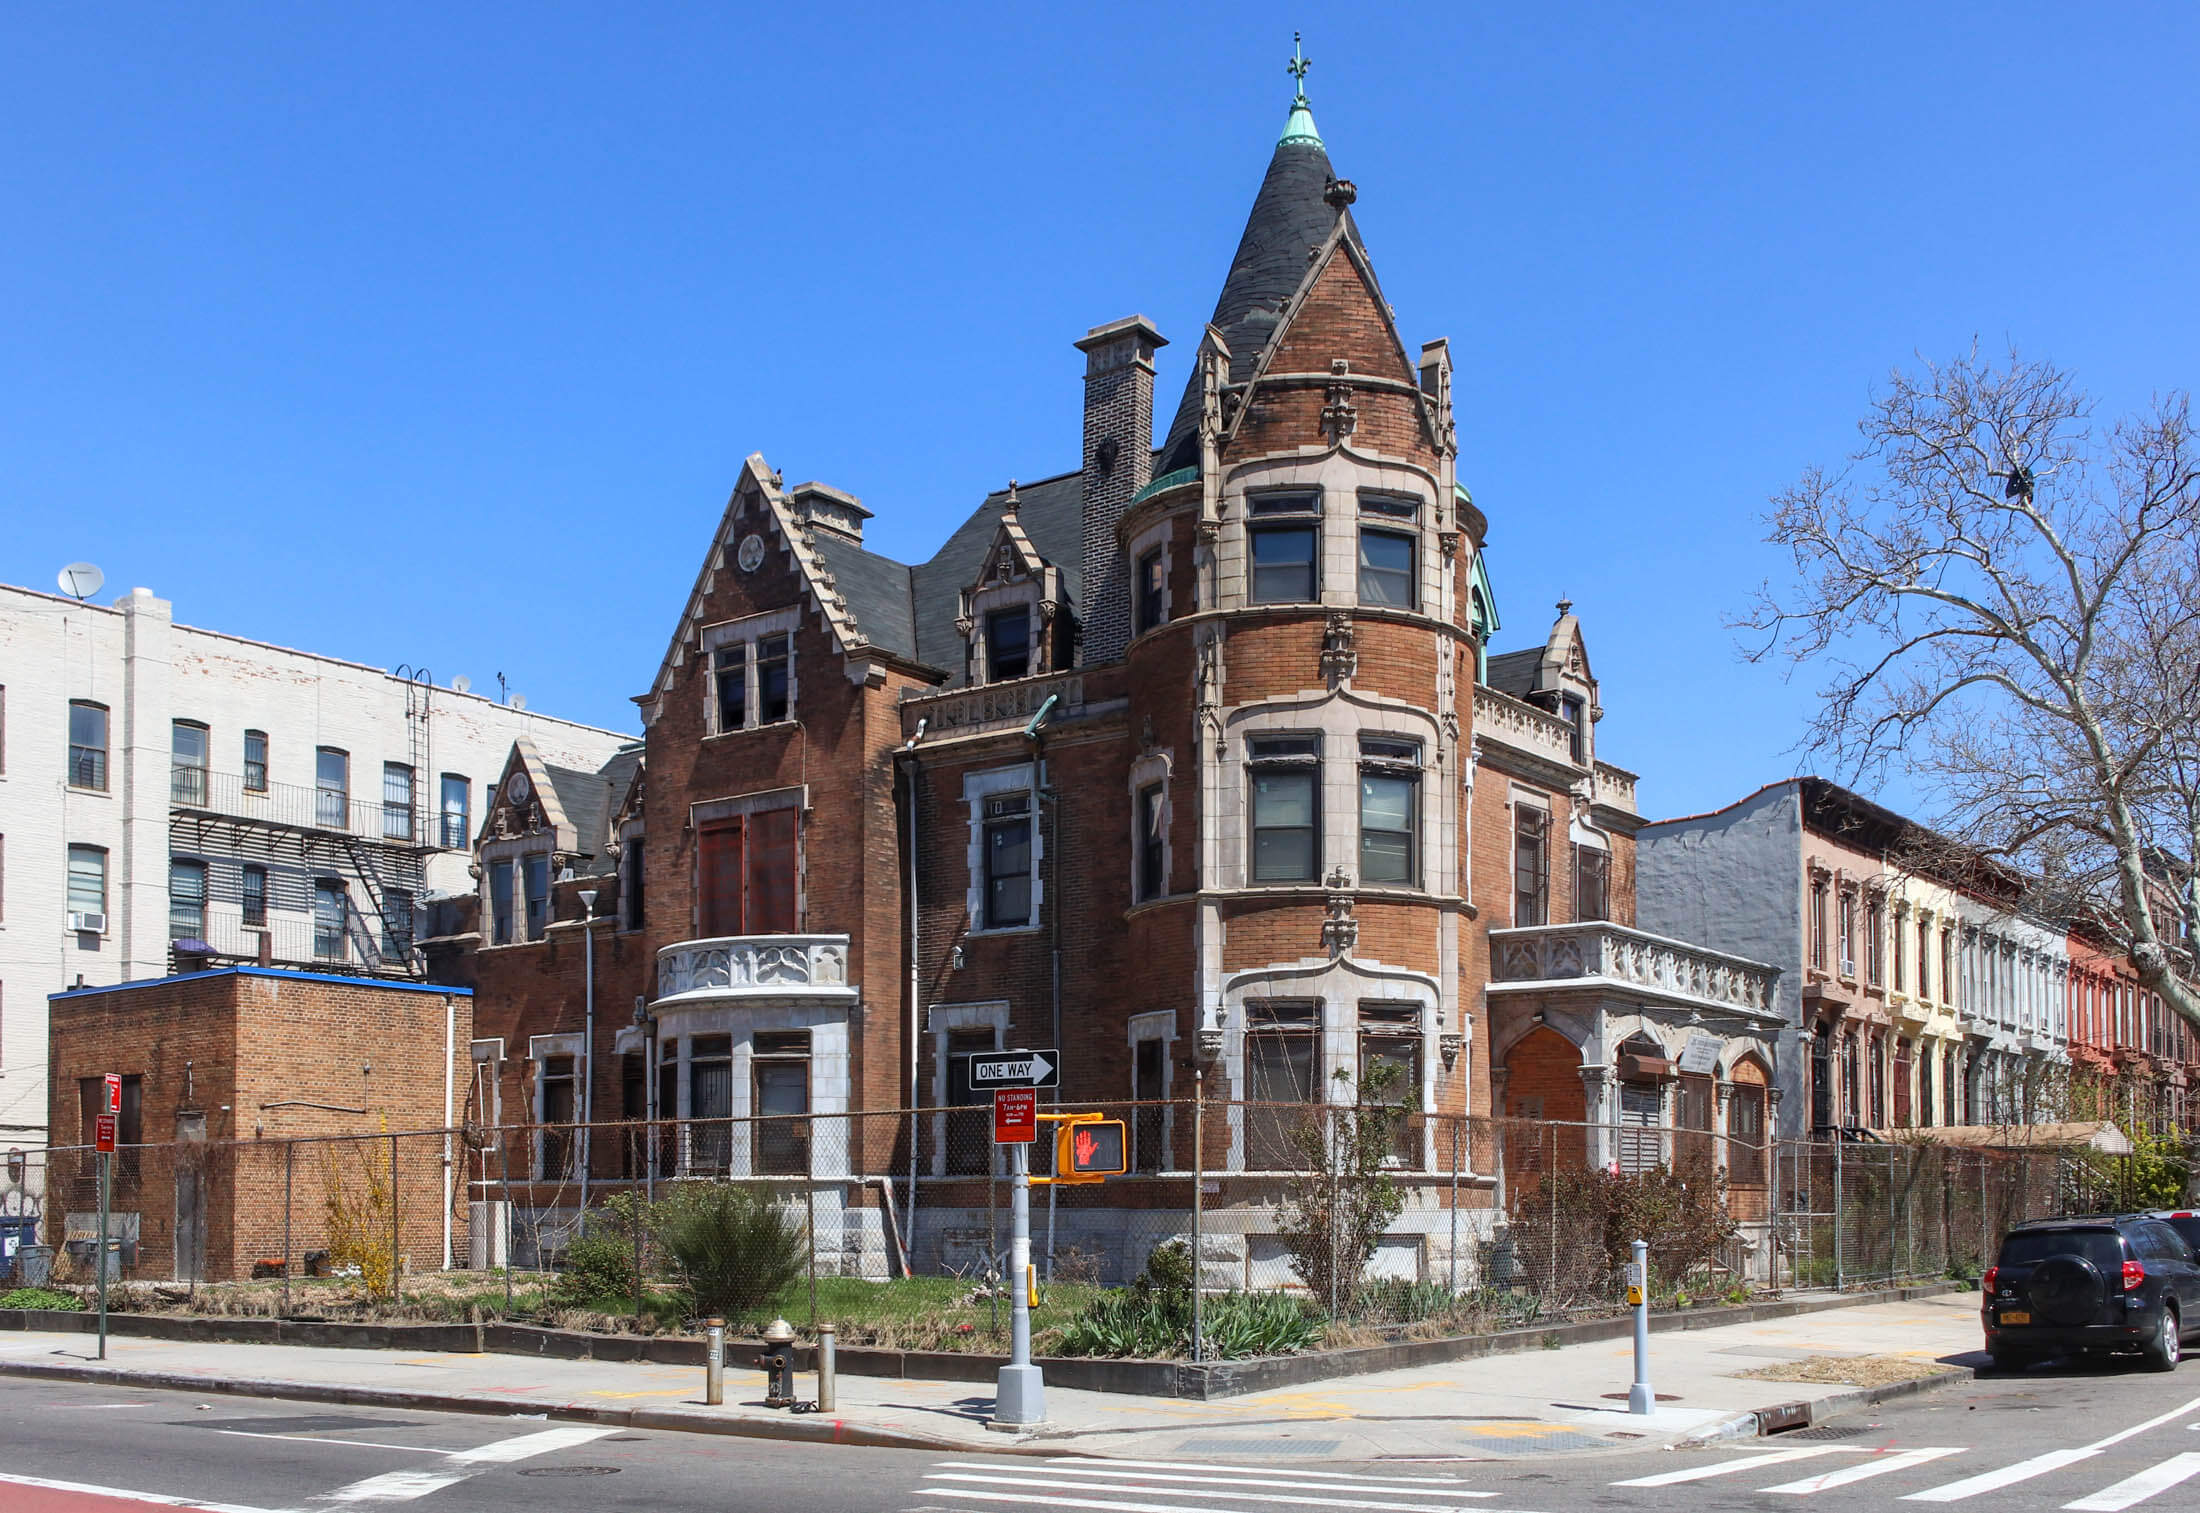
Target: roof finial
x=1299, y=129
x=1012, y=503
x=1565, y=606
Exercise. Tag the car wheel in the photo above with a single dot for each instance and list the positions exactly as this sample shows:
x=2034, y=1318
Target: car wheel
x=2162, y=1352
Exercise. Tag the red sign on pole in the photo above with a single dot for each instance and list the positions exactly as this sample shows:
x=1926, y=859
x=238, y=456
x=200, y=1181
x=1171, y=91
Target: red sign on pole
x=103, y=1131
x=114, y=1092
x=1015, y=1115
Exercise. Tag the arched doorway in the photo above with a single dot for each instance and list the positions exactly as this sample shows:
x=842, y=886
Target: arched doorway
x=1546, y=1104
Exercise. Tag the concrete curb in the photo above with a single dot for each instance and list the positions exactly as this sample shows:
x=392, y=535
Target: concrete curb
x=1783, y=1418
x=808, y=1429
x=1198, y=1382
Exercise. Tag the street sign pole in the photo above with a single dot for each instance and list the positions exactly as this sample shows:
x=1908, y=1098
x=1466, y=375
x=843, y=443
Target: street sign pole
x=106, y=1172
x=1019, y=1394
x=1640, y=1399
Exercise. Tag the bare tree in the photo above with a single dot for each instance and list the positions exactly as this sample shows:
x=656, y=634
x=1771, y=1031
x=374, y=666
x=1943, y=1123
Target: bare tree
x=2006, y=601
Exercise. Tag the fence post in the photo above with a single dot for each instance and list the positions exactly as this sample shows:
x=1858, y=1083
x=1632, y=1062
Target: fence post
x=396, y=1243
x=1840, y=1218
x=1335, y=1176
x=504, y=1179
x=1199, y=1187
x=809, y=1146
x=290, y=1152
x=1454, y=1284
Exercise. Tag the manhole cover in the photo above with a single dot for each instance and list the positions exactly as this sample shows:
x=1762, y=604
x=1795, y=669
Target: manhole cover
x=569, y=1471
x=1830, y=1431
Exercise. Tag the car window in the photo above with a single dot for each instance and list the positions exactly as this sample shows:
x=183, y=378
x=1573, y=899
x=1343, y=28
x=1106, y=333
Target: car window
x=2163, y=1242
x=2029, y=1247
x=2188, y=1228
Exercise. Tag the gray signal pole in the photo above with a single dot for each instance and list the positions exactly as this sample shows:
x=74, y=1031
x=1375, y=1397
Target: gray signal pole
x=1019, y=1394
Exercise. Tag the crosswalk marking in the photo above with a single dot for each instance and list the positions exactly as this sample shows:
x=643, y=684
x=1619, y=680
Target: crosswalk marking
x=1729, y=1467
x=1994, y=1481
x=1878, y=1465
x=2138, y=1488
x=1333, y=1481
x=1031, y=1498
x=1062, y=1481
x=1445, y=1482
x=406, y=1486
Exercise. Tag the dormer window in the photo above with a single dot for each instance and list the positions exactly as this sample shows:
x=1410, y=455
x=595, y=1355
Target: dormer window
x=1008, y=643
x=1574, y=710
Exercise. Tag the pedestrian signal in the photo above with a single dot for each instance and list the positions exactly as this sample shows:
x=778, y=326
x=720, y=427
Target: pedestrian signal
x=1091, y=1149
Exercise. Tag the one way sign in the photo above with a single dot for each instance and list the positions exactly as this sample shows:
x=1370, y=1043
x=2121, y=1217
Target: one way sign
x=994, y=1069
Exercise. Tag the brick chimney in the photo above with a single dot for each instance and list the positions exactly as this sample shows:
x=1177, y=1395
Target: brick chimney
x=1118, y=463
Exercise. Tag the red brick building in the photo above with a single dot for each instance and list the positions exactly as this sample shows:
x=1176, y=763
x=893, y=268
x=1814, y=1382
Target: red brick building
x=1191, y=756
x=221, y=1070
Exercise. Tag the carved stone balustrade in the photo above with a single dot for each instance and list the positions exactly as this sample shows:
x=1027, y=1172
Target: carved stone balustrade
x=738, y=965
x=1601, y=954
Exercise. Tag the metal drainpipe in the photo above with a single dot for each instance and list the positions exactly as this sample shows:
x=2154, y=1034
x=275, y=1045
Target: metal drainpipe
x=913, y=769
x=588, y=1045
x=1047, y=798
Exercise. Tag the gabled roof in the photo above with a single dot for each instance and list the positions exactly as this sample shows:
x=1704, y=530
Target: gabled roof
x=1289, y=221
x=589, y=799
x=1514, y=672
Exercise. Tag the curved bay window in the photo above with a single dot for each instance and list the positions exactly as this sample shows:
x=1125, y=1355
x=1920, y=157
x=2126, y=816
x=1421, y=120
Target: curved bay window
x=779, y=1073
x=1285, y=783
x=1284, y=539
x=1390, y=812
x=1282, y=1079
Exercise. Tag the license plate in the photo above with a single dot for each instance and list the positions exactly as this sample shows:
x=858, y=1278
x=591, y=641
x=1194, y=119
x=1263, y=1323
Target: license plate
x=2008, y=1317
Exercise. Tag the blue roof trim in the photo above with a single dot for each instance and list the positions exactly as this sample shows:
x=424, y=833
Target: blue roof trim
x=275, y=972
x=1166, y=481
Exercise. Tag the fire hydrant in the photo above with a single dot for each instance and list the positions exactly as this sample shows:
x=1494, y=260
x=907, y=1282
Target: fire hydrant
x=779, y=1364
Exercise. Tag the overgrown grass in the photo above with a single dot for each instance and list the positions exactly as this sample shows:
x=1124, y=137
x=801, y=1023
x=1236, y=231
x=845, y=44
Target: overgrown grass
x=41, y=1297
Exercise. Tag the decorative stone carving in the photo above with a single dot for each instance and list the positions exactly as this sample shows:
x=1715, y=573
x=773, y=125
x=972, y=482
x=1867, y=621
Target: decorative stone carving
x=1340, y=417
x=759, y=963
x=1340, y=656
x=1557, y=952
x=1210, y=1045
x=1340, y=931
x=1208, y=700
x=1449, y=1046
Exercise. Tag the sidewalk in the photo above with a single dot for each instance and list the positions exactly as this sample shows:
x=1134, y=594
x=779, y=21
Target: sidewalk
x=1539, y=1403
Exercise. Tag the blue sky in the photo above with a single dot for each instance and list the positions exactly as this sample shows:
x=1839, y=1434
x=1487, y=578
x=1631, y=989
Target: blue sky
x=436, y=334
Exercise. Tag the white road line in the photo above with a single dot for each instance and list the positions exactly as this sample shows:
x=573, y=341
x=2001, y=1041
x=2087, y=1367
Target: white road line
x=1270, y=1498
x=1993, y=1481
x=1224, y=1476
x=2040, y=1465
x=1179, y=1465
x=2138, y=1488
x=1878, y=1465
x=1033, y=1499
x=158, y=1499
x=315, y=1439
x=405, y=1486
x=1729, y=1467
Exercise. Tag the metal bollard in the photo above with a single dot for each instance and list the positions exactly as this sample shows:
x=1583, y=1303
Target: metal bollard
x=825, y=1368
x=714, y=1361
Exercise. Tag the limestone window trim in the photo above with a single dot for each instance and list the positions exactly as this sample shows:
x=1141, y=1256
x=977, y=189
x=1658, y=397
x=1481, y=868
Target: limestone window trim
x=1158, y=538
x=1158, y=1025
x=1146, y=771
x=745, y=633
x=514, y=852
x=1337, y=721
x=988, y=599
x=940, y=1020
x=1341, y=476
x=1002, y=782
x=540, y=1048
x=487, y=1058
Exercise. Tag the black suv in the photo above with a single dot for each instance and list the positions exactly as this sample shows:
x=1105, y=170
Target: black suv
x=2112, y=1282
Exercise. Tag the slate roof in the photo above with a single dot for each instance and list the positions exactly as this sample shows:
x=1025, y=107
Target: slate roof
x=877, y=590
x=1289, y=220
x=1514, y=672
x=589, y=799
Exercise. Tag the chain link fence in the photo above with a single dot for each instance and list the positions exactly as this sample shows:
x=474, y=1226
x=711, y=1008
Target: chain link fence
x=1406, y=1221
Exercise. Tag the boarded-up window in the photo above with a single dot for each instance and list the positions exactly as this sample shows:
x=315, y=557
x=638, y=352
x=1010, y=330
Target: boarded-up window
x=746, y=874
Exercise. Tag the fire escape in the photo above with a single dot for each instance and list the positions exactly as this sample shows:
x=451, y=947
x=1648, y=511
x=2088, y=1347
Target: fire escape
x=312, y=877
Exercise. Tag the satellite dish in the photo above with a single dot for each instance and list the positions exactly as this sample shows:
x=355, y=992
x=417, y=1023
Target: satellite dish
x=81, y=580
x=462, y=684
x=519, y=701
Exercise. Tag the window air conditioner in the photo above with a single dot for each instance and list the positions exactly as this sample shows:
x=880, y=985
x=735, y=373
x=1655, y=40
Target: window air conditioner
x=96, y=924
x=1848, y=967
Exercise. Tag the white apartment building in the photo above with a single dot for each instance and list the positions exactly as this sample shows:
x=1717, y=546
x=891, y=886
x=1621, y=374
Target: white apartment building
x=163, y=784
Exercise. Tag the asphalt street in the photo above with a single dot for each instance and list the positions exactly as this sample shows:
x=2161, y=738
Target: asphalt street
x=2087, y=1439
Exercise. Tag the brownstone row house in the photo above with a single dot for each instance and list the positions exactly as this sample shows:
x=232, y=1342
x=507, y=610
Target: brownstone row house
x=1192, y=757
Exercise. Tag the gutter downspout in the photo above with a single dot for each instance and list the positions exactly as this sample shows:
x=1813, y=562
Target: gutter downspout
x=1048, y=798
x=912, y=769
x=588, y=1045
x=450, y=1049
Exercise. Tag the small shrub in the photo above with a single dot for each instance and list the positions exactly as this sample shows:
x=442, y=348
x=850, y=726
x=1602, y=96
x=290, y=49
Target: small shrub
x=598, y=1269
x=1149, y=1322
x=42, y=1297
x=1168, y=1270
x=730, y=1245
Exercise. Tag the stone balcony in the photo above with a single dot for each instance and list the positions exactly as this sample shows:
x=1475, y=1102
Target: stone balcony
x=737, y=966
x=1616, y=958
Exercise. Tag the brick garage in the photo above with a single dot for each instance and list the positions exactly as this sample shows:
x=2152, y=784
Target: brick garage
x=223, y=1070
